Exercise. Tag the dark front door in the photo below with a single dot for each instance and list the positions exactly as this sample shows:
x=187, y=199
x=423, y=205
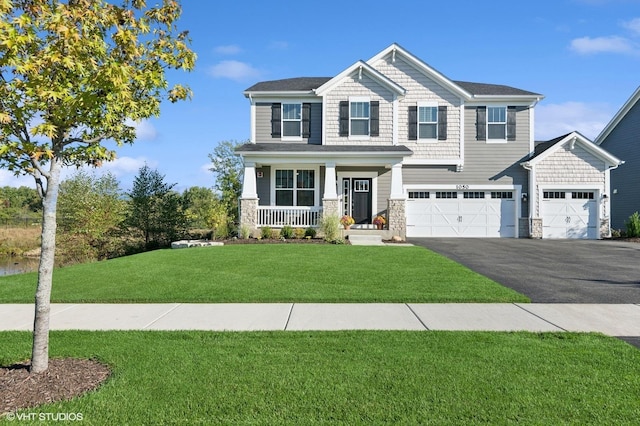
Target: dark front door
x=361, y=196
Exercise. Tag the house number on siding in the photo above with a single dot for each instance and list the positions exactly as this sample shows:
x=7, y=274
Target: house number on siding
x=462, y=186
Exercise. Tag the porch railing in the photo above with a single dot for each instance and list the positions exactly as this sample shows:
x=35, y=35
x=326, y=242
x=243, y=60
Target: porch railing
x=278, y=216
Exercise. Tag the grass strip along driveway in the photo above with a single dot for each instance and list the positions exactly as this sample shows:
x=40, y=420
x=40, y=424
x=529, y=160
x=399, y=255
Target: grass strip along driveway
x=349, y=377
x=267, y=273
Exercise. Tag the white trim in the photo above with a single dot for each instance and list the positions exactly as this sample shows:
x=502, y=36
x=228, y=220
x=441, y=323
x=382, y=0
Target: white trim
x=295, y=168
x=432, y=162
x=395, y=119
x=462, y=137
x=366, y=175
x=249, y=184
x=610, y=160
x=361, y=67
x=253, y=122
x=273, y=97
x=532, y=124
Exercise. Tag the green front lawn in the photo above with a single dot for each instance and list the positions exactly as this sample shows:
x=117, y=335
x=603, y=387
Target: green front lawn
x=267, y=273
x=349, y=377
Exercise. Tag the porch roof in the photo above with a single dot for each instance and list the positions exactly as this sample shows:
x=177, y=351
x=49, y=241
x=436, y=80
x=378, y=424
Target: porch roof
x=343, y=154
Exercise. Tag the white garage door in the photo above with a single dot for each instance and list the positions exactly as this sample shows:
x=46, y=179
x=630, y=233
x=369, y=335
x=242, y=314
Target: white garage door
x=461, y=214
x=569, y=214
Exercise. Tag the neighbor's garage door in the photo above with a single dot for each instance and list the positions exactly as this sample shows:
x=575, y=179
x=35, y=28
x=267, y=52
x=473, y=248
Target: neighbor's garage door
x=569, y=214
x=461, y=214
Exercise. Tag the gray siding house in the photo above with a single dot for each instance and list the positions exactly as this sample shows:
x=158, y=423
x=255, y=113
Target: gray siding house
x=394, y=137
x=621, y=137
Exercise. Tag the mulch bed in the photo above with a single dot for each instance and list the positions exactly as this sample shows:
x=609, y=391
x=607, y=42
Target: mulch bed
x=65, y=379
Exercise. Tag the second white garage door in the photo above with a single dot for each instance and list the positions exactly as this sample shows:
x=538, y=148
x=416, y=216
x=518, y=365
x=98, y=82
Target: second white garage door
x=569, y=214
x=461, y=214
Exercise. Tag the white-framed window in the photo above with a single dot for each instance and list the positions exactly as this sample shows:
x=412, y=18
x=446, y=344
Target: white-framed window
x=295, y=187
x=291, y=120
x=427, y=121
x=359, y=115
x=497, y=122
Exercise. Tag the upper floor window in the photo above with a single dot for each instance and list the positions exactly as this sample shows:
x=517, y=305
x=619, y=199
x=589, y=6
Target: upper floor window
x=359, y=113
x=497, y=122
x=291, y=120
x=359, y=118
x=427, y=122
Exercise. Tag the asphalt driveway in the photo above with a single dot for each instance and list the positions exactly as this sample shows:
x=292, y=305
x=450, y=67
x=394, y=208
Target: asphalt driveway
x=551, y=271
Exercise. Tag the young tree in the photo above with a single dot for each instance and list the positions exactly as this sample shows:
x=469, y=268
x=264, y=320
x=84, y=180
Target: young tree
x=90, y=211
x=155, y=209
x=73, y=75
x=229, y=170
x=198, y=202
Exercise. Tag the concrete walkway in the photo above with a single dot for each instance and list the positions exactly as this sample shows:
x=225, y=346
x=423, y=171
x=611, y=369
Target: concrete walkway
x=612, y=320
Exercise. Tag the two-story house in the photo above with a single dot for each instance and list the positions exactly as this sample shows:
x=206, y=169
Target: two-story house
x=394, y=137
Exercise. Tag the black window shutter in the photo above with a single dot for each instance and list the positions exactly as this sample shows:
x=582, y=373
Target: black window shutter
x=442, y=123
x=413, y=123
x=481, y=123
x=374, y=118
x=344, y=118
x=306, y=120
x=276, y=124
x=511, y=123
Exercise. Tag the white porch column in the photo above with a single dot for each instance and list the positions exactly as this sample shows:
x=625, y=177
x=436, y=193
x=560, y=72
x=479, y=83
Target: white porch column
x=249, y=187
x=396, y=183
x=330, y=181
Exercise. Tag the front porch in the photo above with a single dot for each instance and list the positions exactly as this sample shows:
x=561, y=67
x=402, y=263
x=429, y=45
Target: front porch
x=296, y=185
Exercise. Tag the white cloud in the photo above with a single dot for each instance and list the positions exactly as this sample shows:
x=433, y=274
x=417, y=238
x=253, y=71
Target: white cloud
x=609, y=44
x=558, y=119
x=633, y=25
x=144, y=130
x=205, y=169
x=127, y=165
x=234, y=70
x=230, y=49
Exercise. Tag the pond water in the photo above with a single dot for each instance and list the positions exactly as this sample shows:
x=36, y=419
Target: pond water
x=18, y=265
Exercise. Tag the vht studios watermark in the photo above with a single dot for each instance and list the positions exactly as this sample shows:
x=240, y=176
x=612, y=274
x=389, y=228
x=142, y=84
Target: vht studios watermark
x=45, y=417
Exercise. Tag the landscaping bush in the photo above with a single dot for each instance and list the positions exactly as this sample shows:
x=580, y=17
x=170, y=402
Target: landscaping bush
x=265, y=232
x=287, y=232
x=299, y=233
x=275, y=234
x=330, y=226
x=633, y=225
x=245, y=232
x=310, y=232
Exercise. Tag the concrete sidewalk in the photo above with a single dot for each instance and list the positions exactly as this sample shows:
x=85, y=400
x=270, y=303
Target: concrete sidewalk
x=612, y=320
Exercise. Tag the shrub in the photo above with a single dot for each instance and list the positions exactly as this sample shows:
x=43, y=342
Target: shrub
x=265, y=232
x=287, y=232
x=310, y=232
x=245, y=232
x=330, y=226
x=299, y=233
x=275, y=234
x=633, y=225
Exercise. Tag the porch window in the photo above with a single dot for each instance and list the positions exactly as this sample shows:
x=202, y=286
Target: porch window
x=295, y=187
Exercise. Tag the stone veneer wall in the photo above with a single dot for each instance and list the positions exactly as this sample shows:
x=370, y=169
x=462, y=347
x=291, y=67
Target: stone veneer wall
x=605, y=230
x=330, y=206
x=249, y=213
x=536, y=228
x=397, y=219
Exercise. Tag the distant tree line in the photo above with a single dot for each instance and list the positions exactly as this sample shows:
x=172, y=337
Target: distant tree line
x=97, y=219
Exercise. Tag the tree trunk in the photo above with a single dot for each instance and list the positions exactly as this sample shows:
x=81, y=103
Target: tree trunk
x=40, y=349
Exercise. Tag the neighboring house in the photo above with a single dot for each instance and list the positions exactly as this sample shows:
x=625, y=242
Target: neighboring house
x=621, y=137
x=394, y=137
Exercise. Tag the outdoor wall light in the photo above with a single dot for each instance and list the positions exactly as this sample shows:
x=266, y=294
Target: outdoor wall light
x=524, y=197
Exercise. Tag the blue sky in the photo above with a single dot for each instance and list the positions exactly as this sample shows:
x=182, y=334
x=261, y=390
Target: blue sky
x=582, y=55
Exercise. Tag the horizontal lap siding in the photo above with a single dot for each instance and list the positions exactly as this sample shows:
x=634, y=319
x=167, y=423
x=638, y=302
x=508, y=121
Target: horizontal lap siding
x=421, y=88
x=624, y=143
x=263, y=124
x=263, y=186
